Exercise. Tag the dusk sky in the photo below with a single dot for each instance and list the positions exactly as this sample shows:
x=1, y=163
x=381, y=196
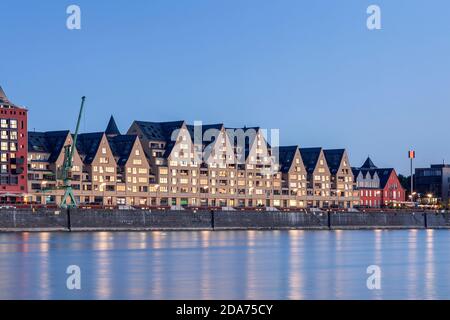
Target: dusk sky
x=310, y=68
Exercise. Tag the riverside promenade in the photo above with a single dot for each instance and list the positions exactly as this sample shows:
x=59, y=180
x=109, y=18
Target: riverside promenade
x=140, y=220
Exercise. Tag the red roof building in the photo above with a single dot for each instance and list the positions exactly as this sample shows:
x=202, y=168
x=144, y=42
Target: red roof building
x=13, y=151
x=378, y=187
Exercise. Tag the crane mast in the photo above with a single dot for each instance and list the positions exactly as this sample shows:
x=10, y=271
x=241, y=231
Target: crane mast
x=69, y=151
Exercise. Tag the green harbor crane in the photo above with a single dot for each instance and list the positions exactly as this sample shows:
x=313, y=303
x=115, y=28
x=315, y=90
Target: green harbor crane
x=66, y=175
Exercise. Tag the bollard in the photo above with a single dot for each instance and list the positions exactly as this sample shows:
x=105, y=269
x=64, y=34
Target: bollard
x=425, y=220
x=69, y=225
x=329, y=220
x=212, y=220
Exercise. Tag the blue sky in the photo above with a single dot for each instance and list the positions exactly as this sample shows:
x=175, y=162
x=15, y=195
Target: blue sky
x=310, y=68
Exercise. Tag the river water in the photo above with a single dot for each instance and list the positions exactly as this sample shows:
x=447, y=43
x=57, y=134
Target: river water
x=412, y=264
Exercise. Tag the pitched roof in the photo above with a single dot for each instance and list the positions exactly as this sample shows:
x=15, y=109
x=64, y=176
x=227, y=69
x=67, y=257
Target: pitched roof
x=3, y=96
x=248, y=139
x=88, y=144
x=51, y=142
x=121, y=147
x=160, y=131
x=5, y=101
x=368, y=164
x=384, y=175
x=112, y=129
x=334, y=159
x=286, y=156
x=205, y=128
x=310, y=156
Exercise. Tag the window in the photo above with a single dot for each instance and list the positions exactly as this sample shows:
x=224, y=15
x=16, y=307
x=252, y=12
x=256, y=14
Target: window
x=13, y=123
x=103, y=150
x=137, y=152
x=162, y=180
x=137, y=161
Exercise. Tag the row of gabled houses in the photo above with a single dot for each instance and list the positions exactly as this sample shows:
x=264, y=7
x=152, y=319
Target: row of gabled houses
x=180, y=165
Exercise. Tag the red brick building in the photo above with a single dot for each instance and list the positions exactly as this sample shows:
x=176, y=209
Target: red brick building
x=378, y=187
x=13, y=151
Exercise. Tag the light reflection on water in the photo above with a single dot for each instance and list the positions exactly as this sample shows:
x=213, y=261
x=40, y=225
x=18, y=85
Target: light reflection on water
x=292, y=264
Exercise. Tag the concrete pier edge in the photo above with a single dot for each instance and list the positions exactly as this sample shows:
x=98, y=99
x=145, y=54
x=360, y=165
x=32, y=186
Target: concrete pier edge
x=144, y=220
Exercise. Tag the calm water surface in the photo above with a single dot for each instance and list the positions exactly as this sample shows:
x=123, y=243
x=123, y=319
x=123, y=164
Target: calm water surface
x=415, y=264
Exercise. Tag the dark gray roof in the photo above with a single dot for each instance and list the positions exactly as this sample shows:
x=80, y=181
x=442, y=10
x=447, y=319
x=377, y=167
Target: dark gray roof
x=51, y=142
x=121, y=147
x=286, y=156
x=383, y=174
x=248, y=143
x=310, y=156
x=368, y=164
x=4, y=99
x=160, y=131
x=218, y=127
x=112, y=129
x=88, y=144
x=334, y=159
x=3, y=96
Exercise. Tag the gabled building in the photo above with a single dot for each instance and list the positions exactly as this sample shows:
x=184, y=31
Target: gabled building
x=378, y=187
x=342, y=184
x=255, y=166
x=45, y=161
x=174, y=164
x=291, y=192
x=318, y=176
x=99, y=168
x=170, y=153
x=132, y=179
x=13, y=151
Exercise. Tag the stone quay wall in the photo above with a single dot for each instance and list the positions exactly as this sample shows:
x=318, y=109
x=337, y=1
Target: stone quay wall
x=91, y=220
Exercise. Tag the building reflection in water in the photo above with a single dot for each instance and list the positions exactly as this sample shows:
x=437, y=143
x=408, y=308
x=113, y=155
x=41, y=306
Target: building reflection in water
x=295, y=278
x=411, y=267
x=103, y=244
x=44, y=272
x=226, y=265
x=251, y=281
x=157, y=272
x=430, y=265
x=207, y=270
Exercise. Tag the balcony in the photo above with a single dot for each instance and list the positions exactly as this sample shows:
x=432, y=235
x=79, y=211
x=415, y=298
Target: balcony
x=18, y=161
x=17, y=171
